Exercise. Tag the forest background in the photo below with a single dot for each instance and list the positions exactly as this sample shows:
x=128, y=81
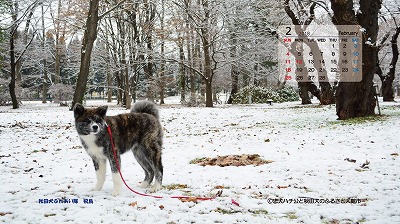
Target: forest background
x=198, y=49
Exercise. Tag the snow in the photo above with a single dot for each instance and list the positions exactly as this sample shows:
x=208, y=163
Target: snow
x=42, y=159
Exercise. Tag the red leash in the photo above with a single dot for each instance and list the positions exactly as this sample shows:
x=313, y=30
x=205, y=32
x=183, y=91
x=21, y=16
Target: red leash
x=142, y=194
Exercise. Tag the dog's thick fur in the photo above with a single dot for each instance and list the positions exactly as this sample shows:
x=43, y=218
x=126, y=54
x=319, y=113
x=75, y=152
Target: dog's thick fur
x=139, y=131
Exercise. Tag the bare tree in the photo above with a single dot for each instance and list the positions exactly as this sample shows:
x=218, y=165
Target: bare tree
x=325, y=94
x=86, y=51
x=16, y=18
x=162, y=37
x=44, y=61
x=388, y=78
x=59, y=41
x=202, y=15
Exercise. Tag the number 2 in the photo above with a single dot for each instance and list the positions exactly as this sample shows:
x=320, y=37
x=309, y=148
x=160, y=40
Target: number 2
x=289, y=29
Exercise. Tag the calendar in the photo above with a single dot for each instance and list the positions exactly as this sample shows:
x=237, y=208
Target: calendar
x=320, y=53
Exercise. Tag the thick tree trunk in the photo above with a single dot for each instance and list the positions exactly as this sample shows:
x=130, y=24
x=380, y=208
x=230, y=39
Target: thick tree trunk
x=304, y=86
x=13, y=61
x=327, y=95
x=87, y=46
x=356, y=99
x=303, y=93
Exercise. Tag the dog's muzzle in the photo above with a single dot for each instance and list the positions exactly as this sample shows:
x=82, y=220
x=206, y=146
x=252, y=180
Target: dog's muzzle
x=95, y=128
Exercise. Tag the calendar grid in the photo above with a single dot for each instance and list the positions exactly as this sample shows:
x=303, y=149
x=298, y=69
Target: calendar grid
x=325, y=54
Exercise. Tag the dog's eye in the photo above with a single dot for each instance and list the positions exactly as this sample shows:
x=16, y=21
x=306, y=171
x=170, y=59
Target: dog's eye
x=97, y=119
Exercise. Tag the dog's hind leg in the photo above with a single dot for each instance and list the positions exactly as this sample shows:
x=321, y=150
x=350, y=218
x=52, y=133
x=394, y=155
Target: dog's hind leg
x=115, y=176
x=100, y=168
x=142, y=156
x=158, y=170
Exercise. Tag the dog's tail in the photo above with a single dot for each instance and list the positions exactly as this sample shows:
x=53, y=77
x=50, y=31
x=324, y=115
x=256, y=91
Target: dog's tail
x=145, y=106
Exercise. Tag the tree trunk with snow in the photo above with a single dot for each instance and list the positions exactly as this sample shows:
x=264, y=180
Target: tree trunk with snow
x=13, y=61
x=13, y=68
x=356, y=99
x=86, y=51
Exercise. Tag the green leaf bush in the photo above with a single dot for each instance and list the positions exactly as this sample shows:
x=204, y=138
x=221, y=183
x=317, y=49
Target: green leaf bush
x=262, y=94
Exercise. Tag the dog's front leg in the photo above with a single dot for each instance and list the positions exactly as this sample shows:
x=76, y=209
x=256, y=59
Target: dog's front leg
x=115, y=176
x=100, y=168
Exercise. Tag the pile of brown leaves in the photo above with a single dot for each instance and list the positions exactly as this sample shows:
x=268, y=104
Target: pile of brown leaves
x=232, y=160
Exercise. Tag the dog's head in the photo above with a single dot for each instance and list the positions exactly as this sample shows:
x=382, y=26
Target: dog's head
x=89, y=120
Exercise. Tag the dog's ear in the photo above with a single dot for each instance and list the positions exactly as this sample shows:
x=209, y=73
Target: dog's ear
x=79, y=110
x=102, y=111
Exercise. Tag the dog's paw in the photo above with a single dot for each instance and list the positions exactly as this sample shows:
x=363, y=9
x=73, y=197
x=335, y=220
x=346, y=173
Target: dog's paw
x=155, y=187
x=96, y=188
x=144, y=185
x=115, y=193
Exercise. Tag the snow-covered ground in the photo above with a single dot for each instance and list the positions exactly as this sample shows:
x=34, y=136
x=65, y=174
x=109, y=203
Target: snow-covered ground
x=315, y=156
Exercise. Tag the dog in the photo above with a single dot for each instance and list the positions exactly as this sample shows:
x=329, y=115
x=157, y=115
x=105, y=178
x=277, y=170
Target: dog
x=139, y=131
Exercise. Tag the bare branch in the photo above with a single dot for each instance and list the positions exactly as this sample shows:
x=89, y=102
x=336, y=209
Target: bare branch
x=112, y=9
x=311, y=17
x=290, y=13
x=26, y=47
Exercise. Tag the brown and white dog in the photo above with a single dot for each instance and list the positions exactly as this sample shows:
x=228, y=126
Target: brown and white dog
x=139, y=131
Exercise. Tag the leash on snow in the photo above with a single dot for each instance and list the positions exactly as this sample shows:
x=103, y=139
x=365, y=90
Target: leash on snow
x=150, y=195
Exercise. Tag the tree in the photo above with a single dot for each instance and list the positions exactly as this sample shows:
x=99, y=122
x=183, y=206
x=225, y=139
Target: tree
x=388, y=78
x=44, y=61
x=325, y=94
x=250, y=55
x=161, y=36
x=356, y=99
x=86, y=51
x=202, y=15
x=59, y=41
x=15, y=59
